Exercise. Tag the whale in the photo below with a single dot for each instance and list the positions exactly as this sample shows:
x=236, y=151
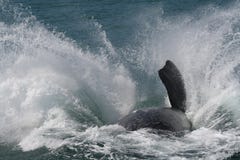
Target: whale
x=163, y=118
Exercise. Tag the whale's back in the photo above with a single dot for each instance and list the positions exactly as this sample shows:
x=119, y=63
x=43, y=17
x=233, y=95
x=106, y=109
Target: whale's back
x=161, y=119
x=171, y=119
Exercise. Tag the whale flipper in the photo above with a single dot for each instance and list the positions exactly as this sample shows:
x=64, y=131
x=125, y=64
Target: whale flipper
x=171, y=119
x=173, y=81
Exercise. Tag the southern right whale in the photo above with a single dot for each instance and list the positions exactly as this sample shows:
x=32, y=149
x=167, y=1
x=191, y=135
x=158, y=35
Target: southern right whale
x=171, y=119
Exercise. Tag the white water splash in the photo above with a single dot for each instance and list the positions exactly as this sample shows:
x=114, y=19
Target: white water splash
x=205, y=47
x=41, y=70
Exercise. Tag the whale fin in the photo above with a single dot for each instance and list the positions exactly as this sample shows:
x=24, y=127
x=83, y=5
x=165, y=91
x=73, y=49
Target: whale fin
x=173, y=81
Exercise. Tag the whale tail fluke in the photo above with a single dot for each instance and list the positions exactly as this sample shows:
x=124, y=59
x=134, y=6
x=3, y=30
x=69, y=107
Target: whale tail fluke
x=173, y=81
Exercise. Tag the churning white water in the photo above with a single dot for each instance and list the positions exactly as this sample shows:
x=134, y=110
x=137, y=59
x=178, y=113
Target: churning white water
x=43, y=73
x=54, y=94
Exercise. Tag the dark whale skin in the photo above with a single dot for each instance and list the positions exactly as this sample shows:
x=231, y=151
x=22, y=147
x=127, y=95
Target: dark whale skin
x=161, y=119
x=171, y=119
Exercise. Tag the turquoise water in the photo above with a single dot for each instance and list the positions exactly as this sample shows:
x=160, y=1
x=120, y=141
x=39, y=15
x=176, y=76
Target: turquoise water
x=71, y=69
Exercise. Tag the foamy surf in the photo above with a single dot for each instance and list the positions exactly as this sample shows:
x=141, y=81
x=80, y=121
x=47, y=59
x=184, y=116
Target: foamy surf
x=57, y=96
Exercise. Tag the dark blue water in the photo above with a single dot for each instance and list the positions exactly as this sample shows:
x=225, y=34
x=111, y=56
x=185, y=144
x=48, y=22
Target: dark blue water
x=71, y=69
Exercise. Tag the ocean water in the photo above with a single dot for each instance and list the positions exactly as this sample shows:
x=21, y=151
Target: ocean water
x=70, y=69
